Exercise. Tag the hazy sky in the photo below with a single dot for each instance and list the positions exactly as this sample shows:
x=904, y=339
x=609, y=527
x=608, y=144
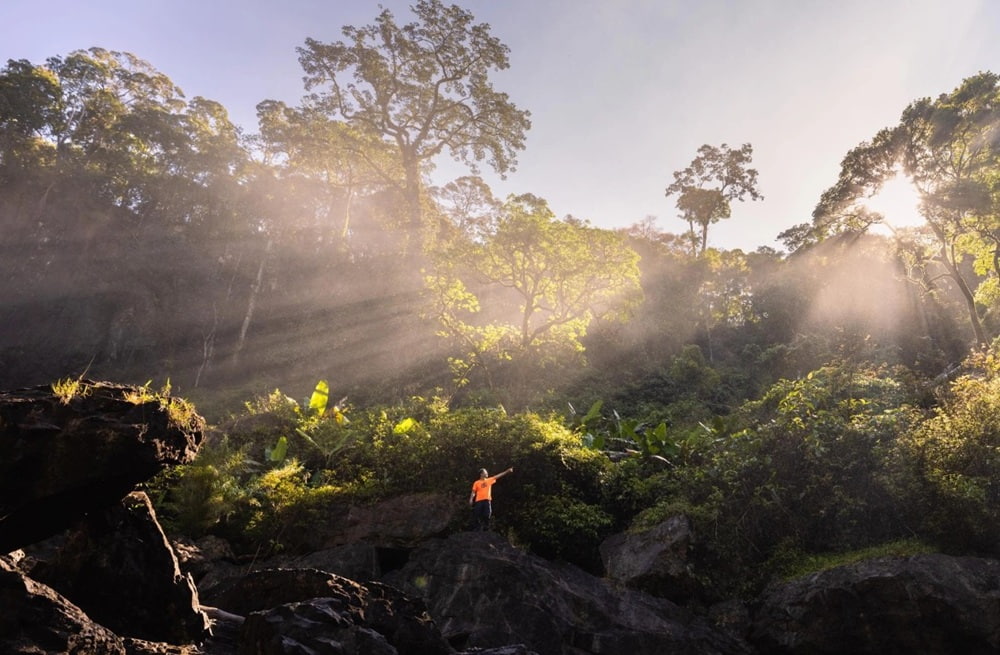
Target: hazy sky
x=622, y=92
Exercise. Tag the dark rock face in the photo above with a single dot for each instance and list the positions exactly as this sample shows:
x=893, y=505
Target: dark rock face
x=358, y=561
x=401, y=522
x=926, y=604
x=36, y=620
x=63, y=459
x=315, y=626
x=118, y=566
x=655, y=561
x=486, y=593
x=309, y=607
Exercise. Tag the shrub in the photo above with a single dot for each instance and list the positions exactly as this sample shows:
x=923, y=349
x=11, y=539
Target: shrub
x=946, y=472
x=557, y=527
x=195, y=498
x=804, y=469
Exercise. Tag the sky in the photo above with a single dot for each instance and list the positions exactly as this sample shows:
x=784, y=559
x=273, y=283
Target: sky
x=622, y=93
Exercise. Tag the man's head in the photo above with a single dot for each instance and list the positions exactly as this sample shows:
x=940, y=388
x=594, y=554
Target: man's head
x=483, y=473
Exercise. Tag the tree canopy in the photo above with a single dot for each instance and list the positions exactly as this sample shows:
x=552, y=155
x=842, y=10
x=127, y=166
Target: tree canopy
x=707, y=187
x=947, y=147
x=424, y=86
x=539, y=282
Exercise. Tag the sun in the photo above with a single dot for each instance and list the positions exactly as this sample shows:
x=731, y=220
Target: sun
x=899, y=202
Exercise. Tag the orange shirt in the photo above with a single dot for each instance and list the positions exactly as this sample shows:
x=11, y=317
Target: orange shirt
x=482, y=488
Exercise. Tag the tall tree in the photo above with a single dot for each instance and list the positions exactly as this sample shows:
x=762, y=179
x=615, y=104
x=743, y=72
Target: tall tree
x=424, y=86
x=948, y=147
x=706, y=188
x=535, y=283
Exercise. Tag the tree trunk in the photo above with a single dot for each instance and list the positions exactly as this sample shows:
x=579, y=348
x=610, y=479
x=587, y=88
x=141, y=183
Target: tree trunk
x=207, y=347
x=252, y=302
x=970, y=300
x=411, y=167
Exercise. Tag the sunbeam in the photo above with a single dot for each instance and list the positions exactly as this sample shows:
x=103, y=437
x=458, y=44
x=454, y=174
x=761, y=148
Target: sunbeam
x=899, y=202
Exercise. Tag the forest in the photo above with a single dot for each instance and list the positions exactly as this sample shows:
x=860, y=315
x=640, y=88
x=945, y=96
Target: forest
x=352, y=332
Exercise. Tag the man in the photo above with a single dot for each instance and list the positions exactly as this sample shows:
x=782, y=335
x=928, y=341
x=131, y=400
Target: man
x=481, y=498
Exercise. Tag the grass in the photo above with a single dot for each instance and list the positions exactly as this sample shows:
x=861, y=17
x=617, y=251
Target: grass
x=69, y=388
x=817, y=562
x=180, y=411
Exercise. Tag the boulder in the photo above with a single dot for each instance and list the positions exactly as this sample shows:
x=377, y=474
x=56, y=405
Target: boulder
x=309, y=606
x=118, y=566
x=927, y=604
x=397, y=523
x=318, y=625
x=66, y=456
x=358, y=561
x=206, y=560
x=36, y=620
x=655, y=560
x=485, y=593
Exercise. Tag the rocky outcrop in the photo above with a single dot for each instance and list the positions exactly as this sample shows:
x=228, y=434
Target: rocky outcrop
x=485, y=593
x=654, y=560
x=118, y=567
x=65, y=456
x=68, y=462
x=289, y=609
x=927, y=604
x=37, y=619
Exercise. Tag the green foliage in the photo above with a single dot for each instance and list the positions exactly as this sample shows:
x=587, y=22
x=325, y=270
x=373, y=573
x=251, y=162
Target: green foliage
x=425, y=86
x=274, y=404
x=705, y=189
x=383, y=452
x=947, y=470
x=277, y=454
x=803, y=467
x=195, y=498
x=285, y=512
x=795, y=565
x=107, y=169
x=180, y=411
x=517, y=296
x=633, y=436
x=320, y=398
x=561, y=527
x=838, y=461
x=67, y=389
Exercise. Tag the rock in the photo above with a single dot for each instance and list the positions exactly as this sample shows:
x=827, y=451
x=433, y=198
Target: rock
x=361, y=562
x=485, y=593
x=654, y=560
x=927, y=604
x=319, y=625
x=514, y=649
x=118, y=566
x=65, y=457
x=731, y=616
x=357, y=561
x=264, y=589
x=283, y=605
x=207, y=549
x=401, y=522
x=201, y=558
x=36, y=620
x=225, y=630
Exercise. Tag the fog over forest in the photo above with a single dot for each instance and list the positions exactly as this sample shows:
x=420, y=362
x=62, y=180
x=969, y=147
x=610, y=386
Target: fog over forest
x=148, y=238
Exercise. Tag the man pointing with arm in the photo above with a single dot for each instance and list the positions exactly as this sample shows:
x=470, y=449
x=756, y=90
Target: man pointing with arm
x=481, y=498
